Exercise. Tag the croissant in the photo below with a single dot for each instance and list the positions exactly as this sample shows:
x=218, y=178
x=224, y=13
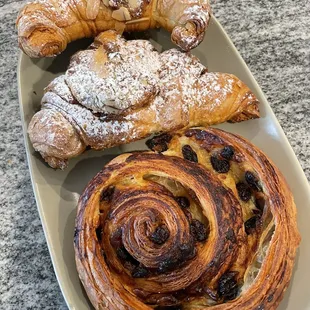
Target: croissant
x=209, y=223
x=120, y=91
x=45, y=27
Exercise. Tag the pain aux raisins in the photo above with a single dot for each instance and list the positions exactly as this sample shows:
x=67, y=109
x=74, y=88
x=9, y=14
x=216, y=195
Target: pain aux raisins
x=160, y=235
x=219, y=165
x=159, y=143
x=244, y=191
x=189, y=153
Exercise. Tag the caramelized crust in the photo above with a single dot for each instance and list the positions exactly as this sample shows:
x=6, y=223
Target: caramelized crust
x=120, y=91
x=45, y=27
x=207, y=223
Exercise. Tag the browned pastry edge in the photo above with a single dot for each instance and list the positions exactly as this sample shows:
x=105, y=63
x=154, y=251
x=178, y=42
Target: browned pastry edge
x=266, y=290
x=45, y=27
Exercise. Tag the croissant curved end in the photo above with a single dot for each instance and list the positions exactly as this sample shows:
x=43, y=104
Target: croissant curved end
x=54, y=137
x=47, y=49
x=185, y=38
x=38, y=35
x=191, y=27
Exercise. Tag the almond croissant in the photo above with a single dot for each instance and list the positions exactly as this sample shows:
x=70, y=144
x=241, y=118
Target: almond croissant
x=45, y=27
x=120, y=91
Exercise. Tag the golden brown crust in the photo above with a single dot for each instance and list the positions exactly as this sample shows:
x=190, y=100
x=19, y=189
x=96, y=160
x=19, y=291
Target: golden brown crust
x=120, y=91
x=45, y=27
x=230, y=244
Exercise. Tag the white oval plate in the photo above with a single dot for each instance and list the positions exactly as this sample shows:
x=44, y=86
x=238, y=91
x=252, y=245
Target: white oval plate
x=57, y=192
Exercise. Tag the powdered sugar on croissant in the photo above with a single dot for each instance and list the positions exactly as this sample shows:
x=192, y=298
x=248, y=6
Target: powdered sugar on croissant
x=110, y=82
x=120, y=91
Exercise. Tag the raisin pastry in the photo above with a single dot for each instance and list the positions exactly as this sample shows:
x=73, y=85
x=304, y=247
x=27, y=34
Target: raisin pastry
x=120, y=91
x=45, y=27
x=209, y=223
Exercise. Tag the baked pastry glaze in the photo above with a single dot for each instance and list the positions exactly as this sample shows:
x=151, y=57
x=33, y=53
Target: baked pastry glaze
x=120, y=91
x=206, y=221
x=45, y=27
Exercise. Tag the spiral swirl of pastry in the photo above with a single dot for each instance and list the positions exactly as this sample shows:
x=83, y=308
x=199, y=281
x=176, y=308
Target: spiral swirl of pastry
x=204, y=221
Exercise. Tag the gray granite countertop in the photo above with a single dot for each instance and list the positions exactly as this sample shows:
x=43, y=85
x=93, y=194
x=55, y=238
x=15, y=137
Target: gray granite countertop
x=274, y=39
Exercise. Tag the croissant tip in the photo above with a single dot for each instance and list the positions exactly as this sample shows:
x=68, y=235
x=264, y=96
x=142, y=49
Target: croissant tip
x=251, y=110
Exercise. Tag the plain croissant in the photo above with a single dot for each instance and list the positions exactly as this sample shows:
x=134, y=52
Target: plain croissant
x=120, y=91
x=45, y=27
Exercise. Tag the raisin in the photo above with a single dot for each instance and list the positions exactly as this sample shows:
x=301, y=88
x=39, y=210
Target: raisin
x=220, y=165
x=122, y=253
x=99, y=233
x=124, y=256
x=244, y=191
x=140, y=272
x=187, y=250
x=199, y=231
x=167, y=265
x=228, y=286
x=260, y=203
x=227, y=152
x=189, y=153
x=175, y=307
x=160, y=235
x=208, y=137
x=106, y=194
x=230, y=235
x=270, y=298
x=188, y=215
x=257, y=212
x=253, y=181
x=183, y=202
x=116, y=238
x=199, y=134
x=159, y=143
x=165, y=301
x=250, y=225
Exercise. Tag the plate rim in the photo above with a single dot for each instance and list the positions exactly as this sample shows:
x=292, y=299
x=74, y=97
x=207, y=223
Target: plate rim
x=53, y=255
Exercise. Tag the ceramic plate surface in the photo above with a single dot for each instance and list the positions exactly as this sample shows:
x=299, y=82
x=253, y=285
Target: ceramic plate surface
x=57, y=192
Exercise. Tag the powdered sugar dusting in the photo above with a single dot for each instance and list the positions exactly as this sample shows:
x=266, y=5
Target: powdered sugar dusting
x=60, y=87
x=91, y=128
x=128, y=77
x=133, y=72
x=130, y=91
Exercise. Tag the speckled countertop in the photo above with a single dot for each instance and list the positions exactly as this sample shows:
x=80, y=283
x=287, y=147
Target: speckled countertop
x=274, y=39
